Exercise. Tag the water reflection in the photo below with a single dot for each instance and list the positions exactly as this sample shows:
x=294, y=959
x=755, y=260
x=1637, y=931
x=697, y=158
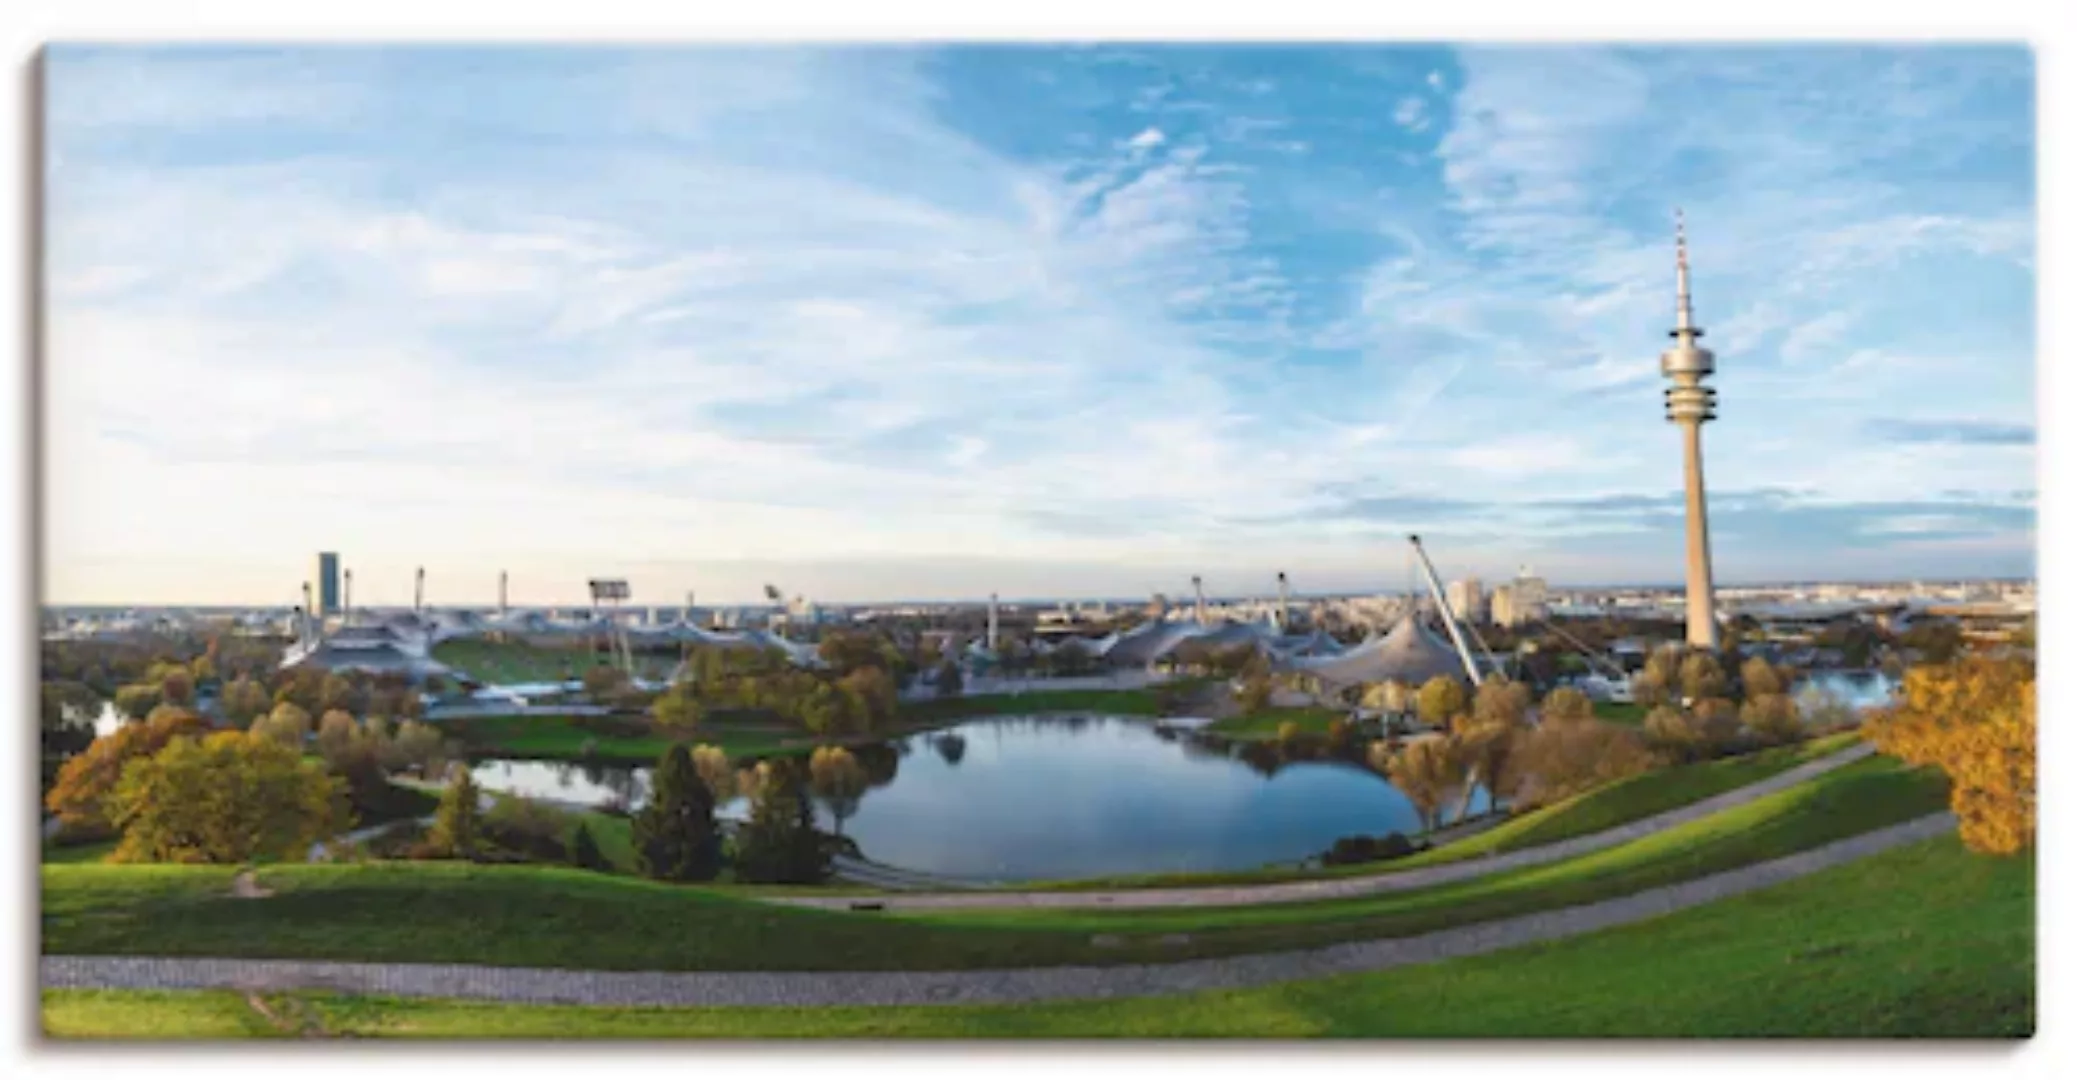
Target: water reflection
x=1024, y=798
x=1857, y=690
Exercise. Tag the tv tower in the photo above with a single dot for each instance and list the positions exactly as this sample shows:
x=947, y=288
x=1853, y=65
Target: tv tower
x=1690, y=404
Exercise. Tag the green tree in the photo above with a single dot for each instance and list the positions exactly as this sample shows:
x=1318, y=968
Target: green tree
x=1702, y=677
x=712, y=763
x=584, y=851
x=1760, y=679
x=1254, y=694
x=679, y=710
x=1566, y=705
x=225, y=799
x=288, y=725
x=674, y=834
x=458, y=821
x=950, y=683
x=137, y=700
x=1439, y=699
x=779, y=844
x=177, y=687
x=242, y=701
x=1425, y=771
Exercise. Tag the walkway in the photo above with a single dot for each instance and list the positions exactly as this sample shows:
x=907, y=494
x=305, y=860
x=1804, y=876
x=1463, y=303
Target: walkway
x=894, y=988
x=1287, y=892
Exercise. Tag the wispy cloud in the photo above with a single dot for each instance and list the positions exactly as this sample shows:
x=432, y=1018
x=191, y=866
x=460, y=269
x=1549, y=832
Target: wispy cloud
x=889, y=307
x=1960, y=432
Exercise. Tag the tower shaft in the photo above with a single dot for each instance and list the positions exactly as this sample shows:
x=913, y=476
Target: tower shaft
x=1701, y=588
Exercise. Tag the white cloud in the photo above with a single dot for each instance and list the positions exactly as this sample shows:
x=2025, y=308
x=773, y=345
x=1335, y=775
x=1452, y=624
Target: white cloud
x=1147, y=139
x=1411, y=113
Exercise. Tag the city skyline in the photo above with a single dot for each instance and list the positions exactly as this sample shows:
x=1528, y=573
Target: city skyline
x=841, y=317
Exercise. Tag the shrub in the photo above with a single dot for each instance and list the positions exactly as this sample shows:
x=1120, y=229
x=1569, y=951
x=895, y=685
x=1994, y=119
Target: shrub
x=1288, y=732
x=1566, y=705
x=228, y=798
x=1772, y=718
x=530, y=829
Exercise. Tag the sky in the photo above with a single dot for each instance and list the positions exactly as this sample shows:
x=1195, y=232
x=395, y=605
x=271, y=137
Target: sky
x=880, y=322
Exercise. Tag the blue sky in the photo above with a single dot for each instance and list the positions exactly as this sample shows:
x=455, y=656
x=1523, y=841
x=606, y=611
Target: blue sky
x=882, y=322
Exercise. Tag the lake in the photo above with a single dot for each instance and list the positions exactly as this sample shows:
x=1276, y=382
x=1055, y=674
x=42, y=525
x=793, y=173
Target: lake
x=1058, y=797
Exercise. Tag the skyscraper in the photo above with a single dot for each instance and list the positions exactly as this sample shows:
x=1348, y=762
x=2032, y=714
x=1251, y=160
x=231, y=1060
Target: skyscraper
x=327, y=584
x=1467, y=599
x=1690, y=404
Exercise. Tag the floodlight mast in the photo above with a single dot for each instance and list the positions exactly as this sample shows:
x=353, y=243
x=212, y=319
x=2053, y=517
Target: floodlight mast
x=612, y=591
x=1449, y=618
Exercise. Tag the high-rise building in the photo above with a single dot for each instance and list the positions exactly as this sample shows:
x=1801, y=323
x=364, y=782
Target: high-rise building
x=1503, y=606
x=327, y=583
x=1690, y=404
x=1466, y=600
x=1531, y=597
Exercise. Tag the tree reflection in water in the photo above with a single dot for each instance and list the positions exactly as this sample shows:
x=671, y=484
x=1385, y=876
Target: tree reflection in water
x=951, y=747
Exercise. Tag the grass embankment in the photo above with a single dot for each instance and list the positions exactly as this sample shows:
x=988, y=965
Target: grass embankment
x=565, y=738
x=542, y=917
x=1923, y=941
x=1264, y=724
x=1627, y=713
x=1624, y=801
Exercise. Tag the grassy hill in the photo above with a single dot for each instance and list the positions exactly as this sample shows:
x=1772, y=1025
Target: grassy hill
x=1924, y=941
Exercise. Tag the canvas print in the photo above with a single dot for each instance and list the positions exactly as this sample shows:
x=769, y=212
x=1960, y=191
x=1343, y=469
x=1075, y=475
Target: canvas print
x=1025, y=540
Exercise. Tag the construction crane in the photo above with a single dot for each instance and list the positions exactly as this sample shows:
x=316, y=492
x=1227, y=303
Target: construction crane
x=1449, y=618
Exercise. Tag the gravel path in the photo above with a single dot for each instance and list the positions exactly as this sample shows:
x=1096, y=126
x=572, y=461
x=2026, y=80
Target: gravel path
x=1285, y=892
x=659, y=988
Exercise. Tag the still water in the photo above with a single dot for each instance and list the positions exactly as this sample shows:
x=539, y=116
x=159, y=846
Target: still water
x=1023, y=799
x=1857, y=690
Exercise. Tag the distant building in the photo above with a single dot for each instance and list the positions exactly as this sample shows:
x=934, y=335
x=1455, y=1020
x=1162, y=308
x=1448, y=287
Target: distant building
x=1502, y=607
x=1467, y=600
x=326, y=584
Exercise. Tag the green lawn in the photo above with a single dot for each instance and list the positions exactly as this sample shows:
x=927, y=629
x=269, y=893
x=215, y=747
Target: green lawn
x=63, y=854
x=1923, y=941
x=562, y=738
x=1621, y=712
x=552, y=917
x=1311, y=720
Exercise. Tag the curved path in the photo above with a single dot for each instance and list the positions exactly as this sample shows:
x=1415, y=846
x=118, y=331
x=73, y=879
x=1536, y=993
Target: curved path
x=831, y=988
x=1286, y=892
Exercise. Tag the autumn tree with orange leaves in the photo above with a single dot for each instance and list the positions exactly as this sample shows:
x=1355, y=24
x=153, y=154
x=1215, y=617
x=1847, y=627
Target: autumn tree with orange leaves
x=1974, y=718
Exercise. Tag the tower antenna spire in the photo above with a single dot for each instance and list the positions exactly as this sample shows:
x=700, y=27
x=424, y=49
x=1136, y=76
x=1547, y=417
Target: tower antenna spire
x=1684, y=319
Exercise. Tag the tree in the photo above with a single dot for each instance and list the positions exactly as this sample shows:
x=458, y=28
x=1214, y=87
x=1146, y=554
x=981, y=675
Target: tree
x=1565, y=759
x=1672, y=734
x=84, y=783
x=679, y=711
x=601, y=681
x=1760, y=678
x=1566, y=705
x=177, y=687
x=1772, y=717
x=66, y=728
x=1254, y=695
x=584, y=851
x=458, y=822
x=779, y=844
x=712, y=763
x=137, y=700
x=334, y=692
x=288, y=725
x=225, y=799
x=1702, y=677
x=950, y=683
x=1425, y=772
x=242, y=701
x=1975, y=719
x=1440, y=698
x=1716, y=721
x=1287, y=732
x=418, y=746
x=674, y=834
x=835, y=776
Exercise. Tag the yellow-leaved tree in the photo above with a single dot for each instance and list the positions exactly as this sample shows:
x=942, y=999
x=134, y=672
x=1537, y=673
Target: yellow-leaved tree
x=1974, y=718
x=228, y=798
